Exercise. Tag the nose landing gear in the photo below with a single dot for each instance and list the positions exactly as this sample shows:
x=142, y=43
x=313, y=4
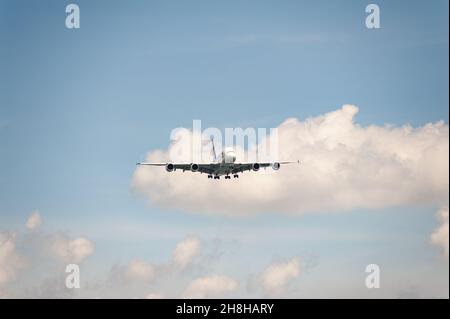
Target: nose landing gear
x=235, y=176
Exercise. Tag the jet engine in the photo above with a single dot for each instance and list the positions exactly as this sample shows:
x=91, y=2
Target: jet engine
x=194, y=167
x=169, y=167
x=255, y=167
x=276, y=166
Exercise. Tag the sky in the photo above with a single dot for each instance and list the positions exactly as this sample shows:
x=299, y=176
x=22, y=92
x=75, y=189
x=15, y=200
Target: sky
x=79, y=107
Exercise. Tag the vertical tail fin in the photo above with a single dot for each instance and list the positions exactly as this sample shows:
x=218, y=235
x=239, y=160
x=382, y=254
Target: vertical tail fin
x=213, y=148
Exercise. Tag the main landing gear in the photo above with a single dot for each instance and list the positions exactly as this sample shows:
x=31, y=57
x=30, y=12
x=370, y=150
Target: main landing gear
x=234, y=176
x=226, y=176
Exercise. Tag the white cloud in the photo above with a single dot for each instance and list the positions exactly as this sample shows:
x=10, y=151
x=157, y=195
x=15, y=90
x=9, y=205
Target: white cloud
x=210, y=287
x=440, y=236
x=10, y=261
x=276, y=278
x=344, y=166
x=57, y=245
x=80, y=248
x=34, y=221
x=70, y=250
x=186, y=250
x=140, y=271
x=155, y=295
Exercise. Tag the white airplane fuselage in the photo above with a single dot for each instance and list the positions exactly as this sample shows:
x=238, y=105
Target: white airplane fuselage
x=226, y=160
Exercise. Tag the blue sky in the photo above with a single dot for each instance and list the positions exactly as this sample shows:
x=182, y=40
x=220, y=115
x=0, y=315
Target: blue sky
x=79, y=107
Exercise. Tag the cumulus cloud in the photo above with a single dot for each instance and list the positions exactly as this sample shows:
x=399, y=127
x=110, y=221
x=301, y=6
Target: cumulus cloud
x=80, y=248
x=155, y=295
x=39, y=246
x=10, y=261
x=344, y=166
x=440, y=236
x=34, y=221
x=210, y=287
x=276, y=278
x=186, y=250
x=140, y=271
x=69, y=250
x=51, y=288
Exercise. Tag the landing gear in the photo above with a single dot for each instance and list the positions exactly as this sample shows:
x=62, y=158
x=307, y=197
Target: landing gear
x=226, y=176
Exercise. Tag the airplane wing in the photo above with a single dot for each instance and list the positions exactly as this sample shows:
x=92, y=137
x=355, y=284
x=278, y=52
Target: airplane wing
x=241, y=167
x=152, y=164
x=212, y=168
x=202, y=168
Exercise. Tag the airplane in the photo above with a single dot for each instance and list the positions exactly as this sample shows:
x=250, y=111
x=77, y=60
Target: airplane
x=223, y=165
